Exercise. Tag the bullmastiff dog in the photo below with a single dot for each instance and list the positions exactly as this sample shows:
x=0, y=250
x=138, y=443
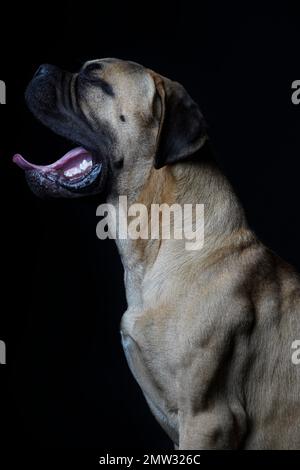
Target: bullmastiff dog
x=208, y=333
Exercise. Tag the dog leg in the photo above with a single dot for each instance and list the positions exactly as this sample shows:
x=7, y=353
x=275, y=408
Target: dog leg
x=219, y=428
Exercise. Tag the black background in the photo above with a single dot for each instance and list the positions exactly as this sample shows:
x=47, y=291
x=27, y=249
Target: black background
x=66, y=383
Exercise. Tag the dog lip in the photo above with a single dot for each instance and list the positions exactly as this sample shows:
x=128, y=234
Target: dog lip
x=85, y=183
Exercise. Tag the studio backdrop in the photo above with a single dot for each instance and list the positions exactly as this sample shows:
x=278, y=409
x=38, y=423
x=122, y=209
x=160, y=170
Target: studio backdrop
x=65, y=381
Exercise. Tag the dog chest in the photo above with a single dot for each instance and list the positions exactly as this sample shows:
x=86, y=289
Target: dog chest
x=155, y=389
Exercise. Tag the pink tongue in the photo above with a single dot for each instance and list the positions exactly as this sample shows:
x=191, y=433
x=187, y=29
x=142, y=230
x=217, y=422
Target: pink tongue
x=68, y=161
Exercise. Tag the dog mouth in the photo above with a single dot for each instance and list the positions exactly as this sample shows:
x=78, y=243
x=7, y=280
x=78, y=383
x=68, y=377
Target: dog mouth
x=76, y=163
x=75, y=173
x=83, y=170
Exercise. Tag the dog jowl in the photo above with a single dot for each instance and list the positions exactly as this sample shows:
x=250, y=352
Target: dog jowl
x=207, y=334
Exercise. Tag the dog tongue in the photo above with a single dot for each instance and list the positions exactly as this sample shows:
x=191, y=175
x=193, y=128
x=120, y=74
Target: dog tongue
x=74, y=163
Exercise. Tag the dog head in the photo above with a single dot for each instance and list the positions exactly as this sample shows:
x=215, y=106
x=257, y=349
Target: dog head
x=124, y=118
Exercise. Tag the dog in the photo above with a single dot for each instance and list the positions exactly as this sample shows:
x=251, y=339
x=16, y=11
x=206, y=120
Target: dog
x=208, y=334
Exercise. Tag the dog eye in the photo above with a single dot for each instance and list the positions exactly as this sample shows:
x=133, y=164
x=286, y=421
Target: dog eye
x=92, y=67
x=87, y=75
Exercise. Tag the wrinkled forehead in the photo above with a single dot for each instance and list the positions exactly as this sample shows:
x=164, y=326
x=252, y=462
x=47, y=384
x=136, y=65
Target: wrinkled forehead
x=130, y=82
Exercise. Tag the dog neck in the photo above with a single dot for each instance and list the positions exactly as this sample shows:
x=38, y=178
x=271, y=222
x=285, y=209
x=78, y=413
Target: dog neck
x=197, y=181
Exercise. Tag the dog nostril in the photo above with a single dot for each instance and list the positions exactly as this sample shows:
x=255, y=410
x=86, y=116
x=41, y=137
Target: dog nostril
x=45, y=69
x=42, y=70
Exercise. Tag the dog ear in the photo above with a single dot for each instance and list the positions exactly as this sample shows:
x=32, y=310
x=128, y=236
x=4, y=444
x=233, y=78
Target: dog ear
x=182, y=129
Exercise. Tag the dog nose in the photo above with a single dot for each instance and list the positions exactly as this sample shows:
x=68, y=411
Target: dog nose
x=45, y=69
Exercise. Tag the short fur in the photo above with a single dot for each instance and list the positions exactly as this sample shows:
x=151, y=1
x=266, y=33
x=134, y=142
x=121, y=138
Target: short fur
x=207, y=333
